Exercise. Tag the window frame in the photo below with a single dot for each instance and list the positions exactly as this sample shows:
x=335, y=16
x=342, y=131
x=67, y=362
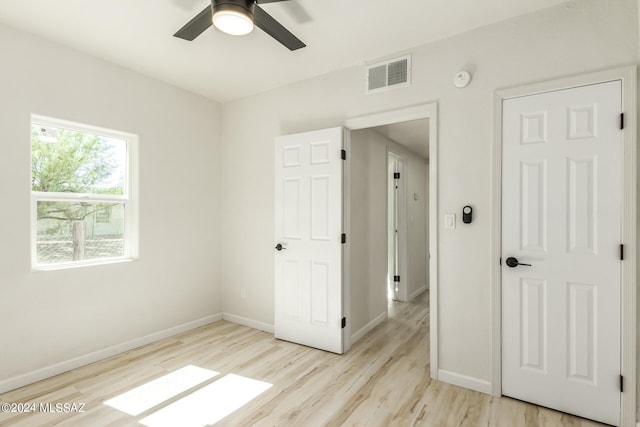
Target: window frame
x=129, y=198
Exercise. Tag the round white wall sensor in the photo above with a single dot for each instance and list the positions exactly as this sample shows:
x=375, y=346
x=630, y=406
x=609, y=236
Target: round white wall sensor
x=462, y=79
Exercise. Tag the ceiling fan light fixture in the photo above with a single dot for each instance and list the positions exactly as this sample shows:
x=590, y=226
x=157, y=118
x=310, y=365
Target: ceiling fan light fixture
x=232, y=19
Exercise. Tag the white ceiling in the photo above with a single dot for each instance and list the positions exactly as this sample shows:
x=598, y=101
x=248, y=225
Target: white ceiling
x=137, y=34
x=414, y=135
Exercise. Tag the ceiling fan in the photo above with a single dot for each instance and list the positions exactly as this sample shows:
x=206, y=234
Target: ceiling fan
x=238, y=17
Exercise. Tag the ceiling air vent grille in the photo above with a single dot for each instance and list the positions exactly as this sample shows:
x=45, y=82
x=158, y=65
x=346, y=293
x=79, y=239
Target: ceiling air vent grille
x=388, y=75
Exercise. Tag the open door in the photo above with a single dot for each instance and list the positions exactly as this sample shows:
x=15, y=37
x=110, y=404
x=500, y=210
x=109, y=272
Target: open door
x=396, y=228
x=308, y=247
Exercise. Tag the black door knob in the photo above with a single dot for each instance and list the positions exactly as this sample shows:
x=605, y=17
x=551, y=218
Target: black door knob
x=279, y=247
x=513, y=262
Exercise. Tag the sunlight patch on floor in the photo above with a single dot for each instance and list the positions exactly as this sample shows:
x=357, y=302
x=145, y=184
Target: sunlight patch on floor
x=153, y=393
x=208, y=405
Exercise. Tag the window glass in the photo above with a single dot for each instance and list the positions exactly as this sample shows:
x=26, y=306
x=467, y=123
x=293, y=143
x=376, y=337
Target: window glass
x=80, y=192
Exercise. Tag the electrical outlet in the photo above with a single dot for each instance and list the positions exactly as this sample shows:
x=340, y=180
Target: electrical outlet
x=243, y=292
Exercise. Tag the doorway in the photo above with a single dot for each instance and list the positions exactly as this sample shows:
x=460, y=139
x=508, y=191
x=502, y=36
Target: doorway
x=389, y=220
x=419, y=203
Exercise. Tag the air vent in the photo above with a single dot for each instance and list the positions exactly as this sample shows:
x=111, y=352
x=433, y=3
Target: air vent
x=388, y=75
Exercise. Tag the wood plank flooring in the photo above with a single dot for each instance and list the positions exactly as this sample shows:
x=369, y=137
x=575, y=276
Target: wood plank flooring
x=382, y=381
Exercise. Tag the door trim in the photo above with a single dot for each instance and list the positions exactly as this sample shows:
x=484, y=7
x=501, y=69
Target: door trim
x=422, y=111
x=627, y=75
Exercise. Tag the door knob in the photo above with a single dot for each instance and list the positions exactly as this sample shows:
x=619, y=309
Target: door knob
x=279, y=247
x=513, y=262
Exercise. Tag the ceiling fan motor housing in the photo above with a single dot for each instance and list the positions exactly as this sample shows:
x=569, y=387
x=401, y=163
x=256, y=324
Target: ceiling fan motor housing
x=245, y=7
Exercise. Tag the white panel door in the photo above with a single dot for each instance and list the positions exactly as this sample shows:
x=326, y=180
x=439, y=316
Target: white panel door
x=308, y=253
x=561, y=212
x=397, y=227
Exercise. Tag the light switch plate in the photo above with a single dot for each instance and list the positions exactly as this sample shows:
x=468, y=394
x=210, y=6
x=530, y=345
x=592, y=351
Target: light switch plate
x=449, y=221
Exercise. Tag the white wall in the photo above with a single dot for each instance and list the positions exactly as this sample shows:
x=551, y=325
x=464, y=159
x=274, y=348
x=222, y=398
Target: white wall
x=368, y=234
x=417, y=224
x=48, y=318
x=578, y=37
x=414, y=274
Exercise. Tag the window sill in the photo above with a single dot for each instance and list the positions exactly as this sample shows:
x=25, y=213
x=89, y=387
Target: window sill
x=79, y=264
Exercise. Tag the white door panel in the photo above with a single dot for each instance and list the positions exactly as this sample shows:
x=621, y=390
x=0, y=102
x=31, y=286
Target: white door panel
x=561, y=201
x=308, y=224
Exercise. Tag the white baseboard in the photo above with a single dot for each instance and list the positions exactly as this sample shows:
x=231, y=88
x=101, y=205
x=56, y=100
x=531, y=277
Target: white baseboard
x=368, y=327
x=76, y=362
x=418, y=292
x=245, y=321
x=472, y=383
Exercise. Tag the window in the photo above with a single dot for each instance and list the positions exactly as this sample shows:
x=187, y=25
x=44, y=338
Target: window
x=81, y=191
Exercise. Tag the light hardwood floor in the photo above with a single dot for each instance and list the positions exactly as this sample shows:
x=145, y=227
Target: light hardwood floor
x=382, y=381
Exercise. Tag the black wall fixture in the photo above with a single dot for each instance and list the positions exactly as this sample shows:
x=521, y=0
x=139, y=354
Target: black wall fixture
x=467, y=214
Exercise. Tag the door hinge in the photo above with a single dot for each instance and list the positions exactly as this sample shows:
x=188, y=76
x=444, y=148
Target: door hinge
x=621, y=252
x=621, y=121
x=343, y=154
x=396, y=175
x=344, y=238
x=344, y=322
x=396, y=278
x=621, y=384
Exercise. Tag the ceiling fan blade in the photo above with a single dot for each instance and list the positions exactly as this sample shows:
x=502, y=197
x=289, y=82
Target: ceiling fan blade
x=266, y=23
x=196, y=26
